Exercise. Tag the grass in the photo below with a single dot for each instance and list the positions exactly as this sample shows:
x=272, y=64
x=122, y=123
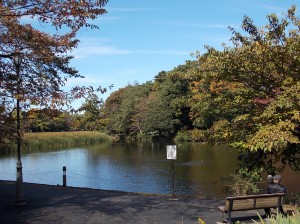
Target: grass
x=57, y=139
x=281, y=219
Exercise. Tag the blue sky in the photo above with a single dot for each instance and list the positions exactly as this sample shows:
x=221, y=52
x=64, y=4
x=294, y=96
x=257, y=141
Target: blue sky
x=137, y=39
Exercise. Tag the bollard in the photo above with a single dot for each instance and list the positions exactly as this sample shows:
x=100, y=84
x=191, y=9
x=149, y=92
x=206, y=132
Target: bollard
x=64, y=176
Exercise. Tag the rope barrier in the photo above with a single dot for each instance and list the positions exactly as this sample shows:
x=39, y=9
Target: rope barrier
x=75, y=174
x=101, y=179
x=35, y=174
x=72, y=173
x=28, y=174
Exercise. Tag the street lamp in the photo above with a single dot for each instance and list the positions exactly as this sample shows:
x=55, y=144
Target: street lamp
x=17, y=58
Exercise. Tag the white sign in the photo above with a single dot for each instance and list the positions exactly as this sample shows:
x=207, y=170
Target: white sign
x=171, y=152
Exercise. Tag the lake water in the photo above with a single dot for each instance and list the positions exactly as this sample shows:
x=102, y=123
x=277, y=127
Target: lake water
x=140, y=167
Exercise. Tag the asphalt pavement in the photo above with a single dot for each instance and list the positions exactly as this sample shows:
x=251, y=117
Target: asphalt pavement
x=57, y=204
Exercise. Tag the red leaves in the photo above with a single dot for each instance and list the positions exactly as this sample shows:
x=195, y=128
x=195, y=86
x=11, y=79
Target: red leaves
x=262, y=101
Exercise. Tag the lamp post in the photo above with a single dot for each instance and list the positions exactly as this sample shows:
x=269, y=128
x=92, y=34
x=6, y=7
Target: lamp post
x=19, y=182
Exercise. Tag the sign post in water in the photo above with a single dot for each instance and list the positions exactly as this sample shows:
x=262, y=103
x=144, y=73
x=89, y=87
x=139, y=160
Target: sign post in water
x=172, y=154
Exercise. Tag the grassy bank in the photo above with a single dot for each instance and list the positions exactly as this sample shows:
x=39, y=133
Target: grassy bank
x=55, y=139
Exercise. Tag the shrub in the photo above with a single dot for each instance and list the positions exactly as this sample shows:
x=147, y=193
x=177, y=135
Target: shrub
x=200, y=135
x=244, y=182
x=182, y=136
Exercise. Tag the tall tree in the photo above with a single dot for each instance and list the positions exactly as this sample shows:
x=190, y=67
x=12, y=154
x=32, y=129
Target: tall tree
x=265, y=64
x=121, y=108
x=90, y=120
x=157, y=118
x=46, y=57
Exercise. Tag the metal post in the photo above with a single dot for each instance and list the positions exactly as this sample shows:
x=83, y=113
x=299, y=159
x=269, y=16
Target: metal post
x=173, y=175
x=64, y=176
x=19, y=181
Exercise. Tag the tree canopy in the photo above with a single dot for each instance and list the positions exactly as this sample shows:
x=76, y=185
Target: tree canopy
x=254, y=86
x=45, y=56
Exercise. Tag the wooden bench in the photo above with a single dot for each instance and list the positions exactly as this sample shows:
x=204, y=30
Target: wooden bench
x=250, y=202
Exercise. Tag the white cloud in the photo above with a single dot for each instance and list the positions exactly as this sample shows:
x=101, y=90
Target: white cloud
x=272, y=8
x=92, y=50
x=160, y=52
x=128, y=9
x=87, y=81
x=96, y=80
x=99, y=47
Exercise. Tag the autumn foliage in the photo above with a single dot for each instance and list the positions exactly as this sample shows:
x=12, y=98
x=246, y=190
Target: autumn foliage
x=45, y=55
x=246, y=96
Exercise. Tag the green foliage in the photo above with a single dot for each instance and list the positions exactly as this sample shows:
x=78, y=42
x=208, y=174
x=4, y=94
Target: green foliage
x=91, y=119
x=123, y=108
x=158, y=117
x=198, y=135
x=182, y=136
x=281, y=219
x=248, y=95
x=150, y=109
x=244, y=182
x=39, y=120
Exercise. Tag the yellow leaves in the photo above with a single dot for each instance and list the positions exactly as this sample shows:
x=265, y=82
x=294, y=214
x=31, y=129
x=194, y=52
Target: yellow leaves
x=243, y=117
x=296, y=116
x=220, y=86
x=201, y=221
x=273, y=137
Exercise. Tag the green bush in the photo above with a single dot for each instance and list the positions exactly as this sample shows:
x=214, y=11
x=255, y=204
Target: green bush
x=243, y=182
x=182, y=136
x=200, y=135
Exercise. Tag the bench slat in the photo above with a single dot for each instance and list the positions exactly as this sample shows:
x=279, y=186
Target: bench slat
x=239, y=205
x=251, y=202
x=271, y=202
x=254, y=203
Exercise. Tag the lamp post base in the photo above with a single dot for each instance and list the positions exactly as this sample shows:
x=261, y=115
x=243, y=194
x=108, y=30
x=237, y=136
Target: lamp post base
x=19, y=203
x=19, y=186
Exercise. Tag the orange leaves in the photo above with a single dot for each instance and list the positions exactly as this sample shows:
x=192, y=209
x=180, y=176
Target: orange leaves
x=220, y=86
x=70, y=13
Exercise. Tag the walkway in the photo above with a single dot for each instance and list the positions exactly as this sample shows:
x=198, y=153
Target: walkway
x=56, y=204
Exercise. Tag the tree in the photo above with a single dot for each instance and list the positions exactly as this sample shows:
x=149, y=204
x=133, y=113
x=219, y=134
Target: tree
x=158, y=108
x=165, y=110
x=72, y=14
x=90, y=120
x=47, y=120
x=121, y=108
x=265, y=64
x=157, y=119
x=46, y=56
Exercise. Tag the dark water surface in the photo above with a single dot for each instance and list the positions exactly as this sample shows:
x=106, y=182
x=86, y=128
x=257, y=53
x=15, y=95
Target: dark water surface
x=140, y=167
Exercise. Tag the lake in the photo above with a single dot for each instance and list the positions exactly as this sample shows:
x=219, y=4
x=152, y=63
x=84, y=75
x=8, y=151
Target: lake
x=139, y=167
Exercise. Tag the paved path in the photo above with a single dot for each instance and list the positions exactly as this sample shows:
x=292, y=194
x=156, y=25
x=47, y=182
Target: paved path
x=56, y=204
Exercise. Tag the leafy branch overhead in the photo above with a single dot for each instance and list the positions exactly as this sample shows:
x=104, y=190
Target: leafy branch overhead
x=58, y=13
x=46, y=56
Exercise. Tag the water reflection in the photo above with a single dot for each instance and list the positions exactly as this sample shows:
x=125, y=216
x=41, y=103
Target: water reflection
x=140, y=167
